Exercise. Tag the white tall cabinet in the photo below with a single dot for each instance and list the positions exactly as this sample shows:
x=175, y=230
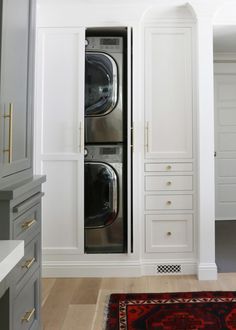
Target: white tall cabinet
x=169, y=154
x=60, y=122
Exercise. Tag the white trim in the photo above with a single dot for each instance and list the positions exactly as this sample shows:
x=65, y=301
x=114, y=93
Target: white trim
x=91, y=269
x=224, y=57
x=112, y=269
x=207, y=271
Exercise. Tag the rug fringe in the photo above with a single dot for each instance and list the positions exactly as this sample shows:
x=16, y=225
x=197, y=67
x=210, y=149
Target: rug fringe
x=105, y=314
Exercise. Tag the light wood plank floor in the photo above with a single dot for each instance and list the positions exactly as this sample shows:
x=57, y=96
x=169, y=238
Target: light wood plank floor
x=79, y=303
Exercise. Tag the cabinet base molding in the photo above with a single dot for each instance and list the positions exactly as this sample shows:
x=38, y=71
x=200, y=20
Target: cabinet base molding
x=117, y=269
x=207, y=271
x=91, y=269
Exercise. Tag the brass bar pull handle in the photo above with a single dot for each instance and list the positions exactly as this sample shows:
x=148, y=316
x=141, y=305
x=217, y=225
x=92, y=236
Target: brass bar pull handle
x=28, y=224
x=147, y=136
x=81, y=137
x=132, y=137
x=28, y=263
x=28, y=315
x=10, y=116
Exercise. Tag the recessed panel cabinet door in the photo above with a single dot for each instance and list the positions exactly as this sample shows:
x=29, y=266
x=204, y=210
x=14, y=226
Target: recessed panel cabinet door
x=60, y=136
x=225, y=142
x=168, y=92
x=16, y=85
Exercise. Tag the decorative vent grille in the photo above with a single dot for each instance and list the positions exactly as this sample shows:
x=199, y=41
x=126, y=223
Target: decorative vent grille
x=169, y=269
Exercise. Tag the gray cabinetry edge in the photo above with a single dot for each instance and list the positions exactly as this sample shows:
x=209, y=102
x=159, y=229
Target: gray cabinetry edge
x=17, y=41
x=20, y=218
x=16, y=195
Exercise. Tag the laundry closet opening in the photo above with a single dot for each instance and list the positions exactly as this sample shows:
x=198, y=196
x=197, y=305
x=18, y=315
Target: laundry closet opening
x=107, y=151
x=224, y=45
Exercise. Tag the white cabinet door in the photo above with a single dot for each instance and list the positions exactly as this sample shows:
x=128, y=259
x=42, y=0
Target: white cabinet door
x=225, y=143
x=168, y=92
x=59, y=136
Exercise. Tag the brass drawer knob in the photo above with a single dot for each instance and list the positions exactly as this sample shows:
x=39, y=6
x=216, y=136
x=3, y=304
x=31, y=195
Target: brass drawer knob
x=168, y=202
x=169, y=233
x=168, y=167
x=168, y=183
x=28, y=224
x=28, y=263
x=28, y=315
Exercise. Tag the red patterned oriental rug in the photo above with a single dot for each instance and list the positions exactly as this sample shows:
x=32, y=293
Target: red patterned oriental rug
x=172, y=311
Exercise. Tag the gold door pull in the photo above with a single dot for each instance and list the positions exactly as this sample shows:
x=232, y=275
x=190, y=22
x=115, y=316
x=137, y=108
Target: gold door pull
x=81, y=137
x=132, y=137
x=28, y=263
x=28, y=315
x=147, y=136
x=10, y=130
x=28, y=224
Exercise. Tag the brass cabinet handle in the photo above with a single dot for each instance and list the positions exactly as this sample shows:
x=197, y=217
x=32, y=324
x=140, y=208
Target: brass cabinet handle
x=10, y=116
x=147, y=135
x=132, y=137
x=28, y=224
x=80, y=137
x=169, y=233
x=168, y=167
x=28, y=263
x=28, y=315
x=168, y=203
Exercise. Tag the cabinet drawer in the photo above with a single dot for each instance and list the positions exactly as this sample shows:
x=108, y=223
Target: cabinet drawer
x=169, y=233
x=169, y=202
x=27, y=225
x=168, y=167
x=27, y=204
x=155, y=182
x=26, y=305
x=28, y=264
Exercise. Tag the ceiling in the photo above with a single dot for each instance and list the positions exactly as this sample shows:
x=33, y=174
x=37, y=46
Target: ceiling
x=224, y=39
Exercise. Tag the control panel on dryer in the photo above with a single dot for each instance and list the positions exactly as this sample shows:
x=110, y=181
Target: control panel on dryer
x=114, y=44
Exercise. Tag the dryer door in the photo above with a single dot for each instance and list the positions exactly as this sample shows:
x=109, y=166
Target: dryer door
x=101, y=87
x=101, y=195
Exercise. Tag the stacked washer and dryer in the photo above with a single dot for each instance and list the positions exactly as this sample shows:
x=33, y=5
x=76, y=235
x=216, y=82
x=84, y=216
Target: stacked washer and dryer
x=105, y=170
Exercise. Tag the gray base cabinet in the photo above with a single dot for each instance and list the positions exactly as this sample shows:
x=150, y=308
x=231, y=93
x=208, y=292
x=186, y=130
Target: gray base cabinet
x=20, y=218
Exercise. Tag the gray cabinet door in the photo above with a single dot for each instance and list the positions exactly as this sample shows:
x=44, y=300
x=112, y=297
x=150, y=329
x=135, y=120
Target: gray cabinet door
x=16, y=85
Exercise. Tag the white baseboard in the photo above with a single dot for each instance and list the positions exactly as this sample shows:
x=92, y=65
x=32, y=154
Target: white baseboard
x=114, y=269
x=90, y=269
x=207, y=271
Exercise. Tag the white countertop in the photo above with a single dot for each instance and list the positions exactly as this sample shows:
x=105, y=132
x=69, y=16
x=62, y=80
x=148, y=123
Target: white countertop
x=10, y=254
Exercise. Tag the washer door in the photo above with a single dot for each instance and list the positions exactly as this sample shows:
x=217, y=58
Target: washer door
x=101, y=87
x=101, y=195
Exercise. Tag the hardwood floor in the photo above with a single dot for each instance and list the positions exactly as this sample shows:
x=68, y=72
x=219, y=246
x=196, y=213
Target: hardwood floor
x=79, y=303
